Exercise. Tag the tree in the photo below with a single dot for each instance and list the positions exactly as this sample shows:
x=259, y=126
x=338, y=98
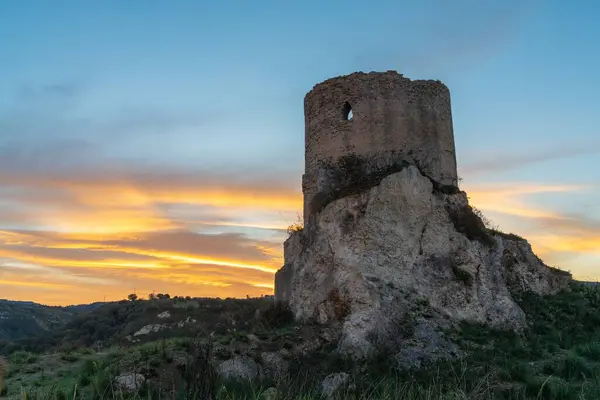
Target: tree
x=151, y=296
x=132, y=297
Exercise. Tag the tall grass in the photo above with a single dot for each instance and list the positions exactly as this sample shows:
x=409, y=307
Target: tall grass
x=385, y=388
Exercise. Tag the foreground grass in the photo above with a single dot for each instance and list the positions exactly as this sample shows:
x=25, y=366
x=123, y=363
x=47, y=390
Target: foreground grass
x=557, y=357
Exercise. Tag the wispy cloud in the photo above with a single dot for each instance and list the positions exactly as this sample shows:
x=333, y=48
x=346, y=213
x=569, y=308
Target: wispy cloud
x=454, y=35
x=46, y=127
x=26, y=284
x=61, y=91
x=110, y=200
x=489, y=162
x=571, y=233
x=182, y=261
x=507, y=198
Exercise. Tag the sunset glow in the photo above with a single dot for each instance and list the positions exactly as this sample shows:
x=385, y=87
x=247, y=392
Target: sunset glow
x=131, y=254
x=162, y=149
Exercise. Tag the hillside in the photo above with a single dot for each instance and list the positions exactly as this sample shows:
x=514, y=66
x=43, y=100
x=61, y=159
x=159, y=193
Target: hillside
x=19, y=319
x=119, y=323
x=557, y=356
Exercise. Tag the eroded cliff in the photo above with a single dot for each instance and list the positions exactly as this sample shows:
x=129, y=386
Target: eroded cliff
x=401, y=258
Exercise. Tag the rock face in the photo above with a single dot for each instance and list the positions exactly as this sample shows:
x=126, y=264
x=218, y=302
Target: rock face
x=404, y=250
x=148, y=329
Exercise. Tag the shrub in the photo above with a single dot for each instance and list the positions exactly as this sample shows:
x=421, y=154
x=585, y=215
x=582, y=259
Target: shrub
x=23, y=357
x=297, y=226
x=69, y=357
x=88, y=368
x=462, y=275
x=198, y=373
x=276, y=315
x=467, y=222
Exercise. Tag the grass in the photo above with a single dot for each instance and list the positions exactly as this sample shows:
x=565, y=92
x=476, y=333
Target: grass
x=556, y=357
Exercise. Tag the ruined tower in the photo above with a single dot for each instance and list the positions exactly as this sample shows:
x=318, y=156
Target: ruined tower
x=381, y=118
x=387, y=231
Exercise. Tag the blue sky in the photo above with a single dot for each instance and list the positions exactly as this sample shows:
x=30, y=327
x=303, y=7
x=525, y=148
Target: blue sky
x=159, y=119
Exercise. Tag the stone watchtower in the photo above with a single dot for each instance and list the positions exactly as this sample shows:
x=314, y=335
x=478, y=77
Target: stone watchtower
x=379, y=116
x=386, y=226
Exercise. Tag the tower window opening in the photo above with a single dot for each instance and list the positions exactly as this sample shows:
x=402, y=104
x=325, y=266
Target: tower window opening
x=347, y=112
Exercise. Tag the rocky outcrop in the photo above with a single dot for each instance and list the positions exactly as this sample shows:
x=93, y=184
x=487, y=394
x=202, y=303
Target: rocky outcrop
x=148, y=329
x=164, y=315
x=402, y=256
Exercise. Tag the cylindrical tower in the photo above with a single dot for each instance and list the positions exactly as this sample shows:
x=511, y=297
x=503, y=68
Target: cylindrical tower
x=377, y=114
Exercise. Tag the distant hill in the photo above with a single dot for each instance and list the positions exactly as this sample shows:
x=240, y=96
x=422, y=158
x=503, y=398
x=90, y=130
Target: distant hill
x=37, y=328
x=20, y=319
x=23, y=319
x=85, y=307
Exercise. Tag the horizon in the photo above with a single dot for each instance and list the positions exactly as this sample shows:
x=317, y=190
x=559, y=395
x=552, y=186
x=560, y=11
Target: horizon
x=146, y=147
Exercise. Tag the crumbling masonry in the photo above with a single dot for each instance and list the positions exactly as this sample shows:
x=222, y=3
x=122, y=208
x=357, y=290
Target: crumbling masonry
x=393, y=121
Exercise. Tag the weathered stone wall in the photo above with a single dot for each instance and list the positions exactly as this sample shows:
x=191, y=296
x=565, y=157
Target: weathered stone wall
x=283, y=277
x=395, y=120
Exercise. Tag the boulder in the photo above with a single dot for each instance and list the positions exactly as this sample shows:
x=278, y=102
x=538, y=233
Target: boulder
x=333, y=383
x=241, y=368
x=270, y=394
x=275, y=367
x=130, y=382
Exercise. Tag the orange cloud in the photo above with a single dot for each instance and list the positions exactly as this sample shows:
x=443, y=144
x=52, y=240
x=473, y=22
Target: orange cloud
x=190, y=263
x=507, y=198
x=105, y=204
x=555, y=236
x=33, y=284
x=563, y=243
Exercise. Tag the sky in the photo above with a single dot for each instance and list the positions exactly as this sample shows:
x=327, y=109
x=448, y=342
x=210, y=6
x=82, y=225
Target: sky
x=158, y=146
